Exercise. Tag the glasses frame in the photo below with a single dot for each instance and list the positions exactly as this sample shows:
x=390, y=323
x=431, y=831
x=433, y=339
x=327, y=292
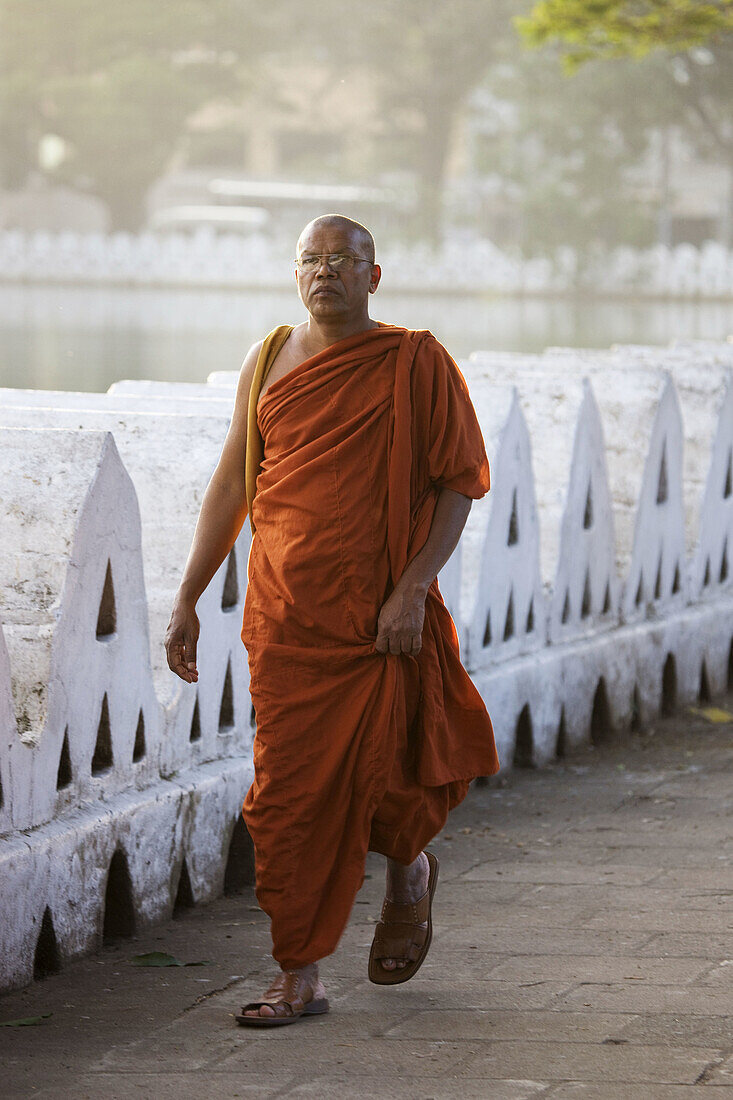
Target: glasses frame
x=326, y=256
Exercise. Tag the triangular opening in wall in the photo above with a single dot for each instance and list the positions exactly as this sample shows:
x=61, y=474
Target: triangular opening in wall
x=635, y=720
x=509, y=621
x=639, y=597
x=46, y=959
x=195, y=734
x=600, y=720
x=63, y=775
x=658, y=580
x=723, y=575
x=704, y=695
x=565, y=607
x=230, y=594
x=588, y=512
x=239, y=873
x=706, y=574
x=530, y=617
x=676, y=579
x=669, y=686
x=561, y=741
x=524, y=740
x=606, y=599
x=184, y=893
x=138, y=751
x=102, y=759
x=226, y=710
x=119, y=909
x=585, y=606
x=252, y=716
x=513, y=534
x=487, y=629
x=728, y=487
x=107, y=617
x=662, y=486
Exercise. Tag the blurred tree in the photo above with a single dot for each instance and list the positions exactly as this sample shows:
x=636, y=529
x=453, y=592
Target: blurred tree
x=117, y=82
x=625, y=28
x=696, y=36
x=565, y=151
x=424, y=62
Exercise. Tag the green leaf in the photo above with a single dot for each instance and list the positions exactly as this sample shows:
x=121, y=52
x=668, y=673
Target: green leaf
x=27, y=1021
x=161, y=958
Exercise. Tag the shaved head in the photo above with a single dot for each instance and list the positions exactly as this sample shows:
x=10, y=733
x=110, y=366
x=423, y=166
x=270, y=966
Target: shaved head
x=360, y=235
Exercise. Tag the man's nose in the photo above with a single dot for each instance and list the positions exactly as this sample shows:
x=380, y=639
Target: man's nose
x=323, y=268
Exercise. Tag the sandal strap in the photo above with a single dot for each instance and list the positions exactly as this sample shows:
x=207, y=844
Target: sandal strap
x=416, y=912
x=399, y=941
x=288, y=995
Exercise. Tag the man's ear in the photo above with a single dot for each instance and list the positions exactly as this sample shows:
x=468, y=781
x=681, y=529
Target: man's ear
x=376, y=276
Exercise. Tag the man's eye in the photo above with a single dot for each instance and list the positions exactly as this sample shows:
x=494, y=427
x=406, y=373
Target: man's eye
x=309, y=262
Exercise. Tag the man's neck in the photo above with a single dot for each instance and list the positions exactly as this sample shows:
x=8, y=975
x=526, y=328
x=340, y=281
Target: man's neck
x=320, y=335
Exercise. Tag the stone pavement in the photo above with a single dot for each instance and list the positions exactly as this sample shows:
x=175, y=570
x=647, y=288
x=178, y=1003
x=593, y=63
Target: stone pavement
x=583, y=951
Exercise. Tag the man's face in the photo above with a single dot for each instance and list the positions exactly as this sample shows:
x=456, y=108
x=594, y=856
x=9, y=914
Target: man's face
x=335, y=292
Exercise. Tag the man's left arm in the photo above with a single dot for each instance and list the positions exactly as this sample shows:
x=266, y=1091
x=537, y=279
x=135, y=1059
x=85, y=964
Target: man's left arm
x=400, y=624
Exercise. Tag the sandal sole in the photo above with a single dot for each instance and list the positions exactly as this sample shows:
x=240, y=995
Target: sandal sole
x=313, y=1008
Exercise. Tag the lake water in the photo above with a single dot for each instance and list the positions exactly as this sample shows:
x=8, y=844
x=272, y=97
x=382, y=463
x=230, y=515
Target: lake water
x=86, y=338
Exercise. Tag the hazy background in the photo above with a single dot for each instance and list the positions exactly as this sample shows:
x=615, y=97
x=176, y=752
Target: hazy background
x=428, y=122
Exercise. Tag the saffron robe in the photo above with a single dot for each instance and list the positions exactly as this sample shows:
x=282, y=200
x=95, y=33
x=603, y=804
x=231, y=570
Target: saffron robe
x=355, y=750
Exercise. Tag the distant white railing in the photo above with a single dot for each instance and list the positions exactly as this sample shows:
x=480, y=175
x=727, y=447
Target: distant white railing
x=463, y=265
x=592, y=589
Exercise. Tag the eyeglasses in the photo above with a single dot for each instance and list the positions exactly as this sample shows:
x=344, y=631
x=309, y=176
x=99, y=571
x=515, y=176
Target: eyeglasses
x=338, y=261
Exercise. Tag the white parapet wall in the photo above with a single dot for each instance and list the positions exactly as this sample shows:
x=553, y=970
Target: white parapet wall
x=206, y=258
x=592, y=589
x=170, y=458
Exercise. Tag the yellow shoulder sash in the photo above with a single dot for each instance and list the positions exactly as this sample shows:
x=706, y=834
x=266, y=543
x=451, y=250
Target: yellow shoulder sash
x=271, y=345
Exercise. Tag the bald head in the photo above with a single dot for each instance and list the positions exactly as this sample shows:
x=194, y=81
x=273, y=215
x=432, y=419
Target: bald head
x=360, y=238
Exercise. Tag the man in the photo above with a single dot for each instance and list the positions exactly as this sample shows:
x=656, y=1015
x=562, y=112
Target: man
x=362, y=456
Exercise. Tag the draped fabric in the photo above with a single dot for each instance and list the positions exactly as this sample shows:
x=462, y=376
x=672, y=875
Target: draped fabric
x=354, y=750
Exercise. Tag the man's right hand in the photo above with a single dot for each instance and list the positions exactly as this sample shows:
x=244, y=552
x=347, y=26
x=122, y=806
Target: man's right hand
x=180, y=642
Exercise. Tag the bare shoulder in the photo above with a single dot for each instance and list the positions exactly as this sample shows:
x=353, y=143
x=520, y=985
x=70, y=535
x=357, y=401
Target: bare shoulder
x=249, y=363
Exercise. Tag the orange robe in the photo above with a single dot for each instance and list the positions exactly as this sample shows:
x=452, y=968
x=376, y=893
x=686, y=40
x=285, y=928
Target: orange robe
x=355, y=750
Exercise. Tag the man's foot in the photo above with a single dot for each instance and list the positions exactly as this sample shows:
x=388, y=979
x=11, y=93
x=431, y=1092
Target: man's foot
x=405, y=885
x=302, y=986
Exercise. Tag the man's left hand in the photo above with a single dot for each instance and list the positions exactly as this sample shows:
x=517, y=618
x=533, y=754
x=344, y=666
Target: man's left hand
x=400, y=623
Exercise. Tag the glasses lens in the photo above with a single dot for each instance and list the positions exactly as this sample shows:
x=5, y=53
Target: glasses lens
x=337, y=261
x=341, y=261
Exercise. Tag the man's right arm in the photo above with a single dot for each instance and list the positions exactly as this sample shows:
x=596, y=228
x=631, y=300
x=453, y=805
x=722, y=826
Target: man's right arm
x=223, y=511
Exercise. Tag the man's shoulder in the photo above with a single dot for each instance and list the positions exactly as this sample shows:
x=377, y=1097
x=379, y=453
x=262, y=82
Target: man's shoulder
x=428, y=347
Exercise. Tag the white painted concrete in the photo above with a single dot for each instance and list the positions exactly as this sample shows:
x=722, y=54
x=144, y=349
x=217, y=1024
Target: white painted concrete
x=127, y=400
x=70, y=528
x=170, y=459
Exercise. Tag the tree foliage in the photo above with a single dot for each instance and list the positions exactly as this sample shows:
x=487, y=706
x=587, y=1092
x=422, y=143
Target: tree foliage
x=588, y=29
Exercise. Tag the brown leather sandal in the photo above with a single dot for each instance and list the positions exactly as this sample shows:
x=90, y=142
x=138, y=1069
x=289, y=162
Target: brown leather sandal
x=397, y=937
x=290, y=996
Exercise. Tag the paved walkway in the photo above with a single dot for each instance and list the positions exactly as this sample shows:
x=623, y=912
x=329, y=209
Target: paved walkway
x=583, y=949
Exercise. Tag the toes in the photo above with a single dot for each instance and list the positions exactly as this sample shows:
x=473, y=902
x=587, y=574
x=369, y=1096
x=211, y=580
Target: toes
x=394, y=964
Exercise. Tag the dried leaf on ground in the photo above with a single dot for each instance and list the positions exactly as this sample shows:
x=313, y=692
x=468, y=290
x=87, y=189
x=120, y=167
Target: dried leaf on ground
x=27, y=1021
x=161, y=958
